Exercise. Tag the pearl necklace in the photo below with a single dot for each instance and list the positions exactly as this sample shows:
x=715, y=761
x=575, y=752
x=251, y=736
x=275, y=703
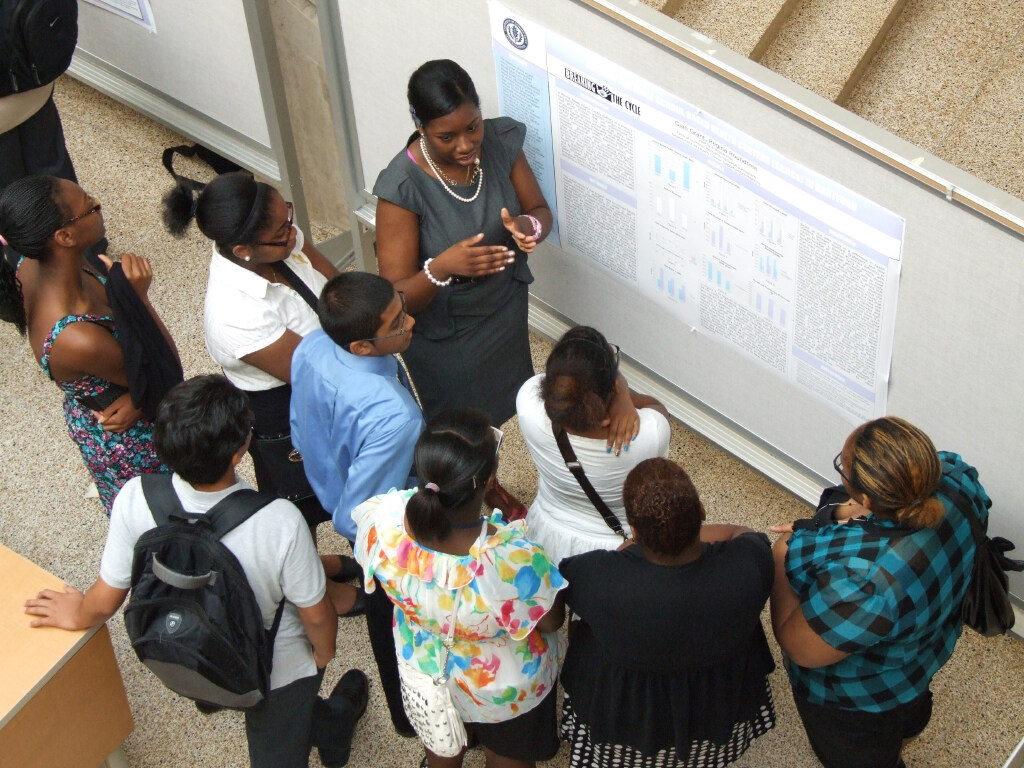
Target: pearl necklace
x=441, y=178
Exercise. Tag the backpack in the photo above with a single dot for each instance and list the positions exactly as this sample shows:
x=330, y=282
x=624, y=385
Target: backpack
x=192, y=617
x=37, y=41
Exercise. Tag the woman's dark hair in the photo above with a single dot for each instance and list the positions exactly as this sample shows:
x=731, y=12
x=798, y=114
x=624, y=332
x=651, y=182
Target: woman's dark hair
x=456, y=454
x=230, y=210
x=200, y=425
x=579, y=379
x=351, y=305
x=663, y=507
x=31, y=210
x=897, y=466
x=438, y=88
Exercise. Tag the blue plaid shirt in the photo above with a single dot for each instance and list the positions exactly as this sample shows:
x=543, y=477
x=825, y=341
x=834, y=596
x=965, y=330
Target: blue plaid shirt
x=890, y=600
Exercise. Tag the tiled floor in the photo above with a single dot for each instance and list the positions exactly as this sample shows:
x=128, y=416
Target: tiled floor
x=979, y=715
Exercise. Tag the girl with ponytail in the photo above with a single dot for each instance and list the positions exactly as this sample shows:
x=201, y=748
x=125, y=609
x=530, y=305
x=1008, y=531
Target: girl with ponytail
x=867, y=608
x=435, y=549
x=265, y=277
x=52, y=296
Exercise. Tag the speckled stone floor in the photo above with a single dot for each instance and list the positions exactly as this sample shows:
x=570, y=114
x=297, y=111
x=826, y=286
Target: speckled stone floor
x=979, y=716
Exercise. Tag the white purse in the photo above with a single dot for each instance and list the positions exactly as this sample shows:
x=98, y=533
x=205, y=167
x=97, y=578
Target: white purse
x=428, y=702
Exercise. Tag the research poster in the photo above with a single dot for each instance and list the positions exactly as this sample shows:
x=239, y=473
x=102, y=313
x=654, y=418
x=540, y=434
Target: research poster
x=138, y=11
x=731, y=238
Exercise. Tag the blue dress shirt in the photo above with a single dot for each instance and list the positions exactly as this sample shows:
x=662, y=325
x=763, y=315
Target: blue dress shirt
x=354, y=423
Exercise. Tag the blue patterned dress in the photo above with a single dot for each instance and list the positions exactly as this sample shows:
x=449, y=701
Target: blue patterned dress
x=112, y=458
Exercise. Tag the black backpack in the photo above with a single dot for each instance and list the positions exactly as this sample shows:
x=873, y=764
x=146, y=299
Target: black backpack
x=37, y=41
x=192, y=617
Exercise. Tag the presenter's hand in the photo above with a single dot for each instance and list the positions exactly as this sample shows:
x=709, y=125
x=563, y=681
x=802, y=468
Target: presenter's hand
x=119, y=415
x=55, y=609
x=623, y=420
x=469, y=259
x=522, y=230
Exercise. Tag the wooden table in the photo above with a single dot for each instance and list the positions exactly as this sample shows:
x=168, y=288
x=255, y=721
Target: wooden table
x=62, y=700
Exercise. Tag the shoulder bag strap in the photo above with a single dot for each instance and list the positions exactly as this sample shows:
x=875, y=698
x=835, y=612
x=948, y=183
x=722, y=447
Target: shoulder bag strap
x=163, y=502
x=574, y=466
x=296, y=283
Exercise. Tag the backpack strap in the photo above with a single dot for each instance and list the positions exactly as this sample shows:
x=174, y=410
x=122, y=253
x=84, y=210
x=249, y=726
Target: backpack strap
x=231, y=511
x=163, y=502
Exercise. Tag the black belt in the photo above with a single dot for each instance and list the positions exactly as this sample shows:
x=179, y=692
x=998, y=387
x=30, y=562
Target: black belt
x=460, y=279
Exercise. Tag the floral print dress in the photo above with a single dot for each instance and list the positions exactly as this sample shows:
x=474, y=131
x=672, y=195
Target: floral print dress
x=500, y=665
x=112, y=458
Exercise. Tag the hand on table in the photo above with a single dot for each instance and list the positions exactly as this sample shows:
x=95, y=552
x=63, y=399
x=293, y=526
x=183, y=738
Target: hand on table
x=55, y=609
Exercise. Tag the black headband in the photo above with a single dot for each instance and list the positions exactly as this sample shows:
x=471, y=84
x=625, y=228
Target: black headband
x=254, y=213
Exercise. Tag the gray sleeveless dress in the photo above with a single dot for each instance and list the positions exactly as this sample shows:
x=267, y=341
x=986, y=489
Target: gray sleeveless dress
x=471, y=345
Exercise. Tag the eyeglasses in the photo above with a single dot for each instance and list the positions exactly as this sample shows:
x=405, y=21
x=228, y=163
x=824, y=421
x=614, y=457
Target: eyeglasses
x=95, y=209
x=401, y=322
x=837, y=465
x=498, y=437
x=290, y=222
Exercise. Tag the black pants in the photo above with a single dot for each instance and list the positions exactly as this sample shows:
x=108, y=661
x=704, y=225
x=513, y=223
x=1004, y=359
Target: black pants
x=844, y=738
x=380, y=613
x=36, y=146
x=293, y=720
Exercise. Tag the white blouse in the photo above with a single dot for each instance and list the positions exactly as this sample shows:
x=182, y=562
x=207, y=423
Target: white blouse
x=561, y=518
x=245, y=313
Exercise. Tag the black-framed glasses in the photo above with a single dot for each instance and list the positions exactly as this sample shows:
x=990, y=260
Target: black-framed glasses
x=837, y=465
x=95, y=209
x=291, y=223
x=401, y=321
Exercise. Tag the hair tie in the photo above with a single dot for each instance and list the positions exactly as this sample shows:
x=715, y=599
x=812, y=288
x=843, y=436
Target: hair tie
x=3, y=241
x=432, y=487
x=415, y=118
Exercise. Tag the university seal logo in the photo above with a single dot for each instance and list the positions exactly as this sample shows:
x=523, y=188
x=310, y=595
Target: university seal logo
x=515, y=34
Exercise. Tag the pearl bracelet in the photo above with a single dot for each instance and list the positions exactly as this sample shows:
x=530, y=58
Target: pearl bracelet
x=431, y=278
x=537, y=227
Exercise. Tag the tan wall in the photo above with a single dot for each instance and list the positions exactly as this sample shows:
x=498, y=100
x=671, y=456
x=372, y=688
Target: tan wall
x=302, y=67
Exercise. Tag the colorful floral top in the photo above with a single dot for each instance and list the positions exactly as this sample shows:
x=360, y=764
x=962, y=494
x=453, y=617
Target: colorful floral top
x=113, y=458
x=500, y=666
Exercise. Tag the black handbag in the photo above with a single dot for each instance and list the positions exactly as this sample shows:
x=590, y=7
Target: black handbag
x=987, y=608
x=279, y=469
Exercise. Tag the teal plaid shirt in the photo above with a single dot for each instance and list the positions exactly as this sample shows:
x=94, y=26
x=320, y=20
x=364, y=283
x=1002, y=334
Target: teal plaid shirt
x=893, y=602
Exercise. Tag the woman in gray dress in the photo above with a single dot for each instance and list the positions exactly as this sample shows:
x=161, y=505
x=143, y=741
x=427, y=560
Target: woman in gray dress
x=458, y=211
